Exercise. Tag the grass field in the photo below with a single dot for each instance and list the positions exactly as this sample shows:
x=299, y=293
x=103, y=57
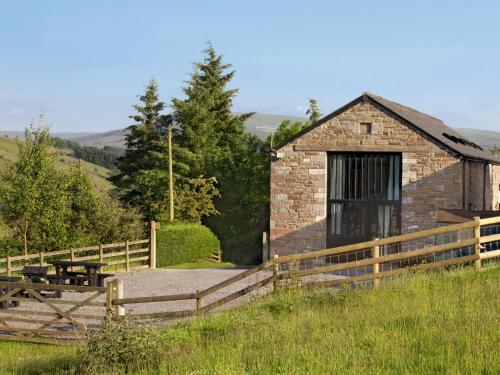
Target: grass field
x=9, y=151
x=438, y=323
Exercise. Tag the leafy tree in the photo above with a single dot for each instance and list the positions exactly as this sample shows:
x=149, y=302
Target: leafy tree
x=46, y=209
x=313, y=111
x=287, y=129
x=244, y=201
x=35, y=197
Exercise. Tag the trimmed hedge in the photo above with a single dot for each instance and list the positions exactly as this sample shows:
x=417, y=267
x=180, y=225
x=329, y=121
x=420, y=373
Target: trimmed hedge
x=184, y=243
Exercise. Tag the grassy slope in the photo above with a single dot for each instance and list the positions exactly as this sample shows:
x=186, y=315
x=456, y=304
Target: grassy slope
x=438, y=323
x=8, y=156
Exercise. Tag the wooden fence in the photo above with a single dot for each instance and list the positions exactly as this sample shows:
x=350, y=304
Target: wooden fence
x=473, y=242
x=49, y=320
x=127, y=255
x=362, y=262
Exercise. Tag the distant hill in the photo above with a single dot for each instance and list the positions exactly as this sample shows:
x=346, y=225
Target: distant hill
x=484, y=138
x=115, y=138
x=65, y=135
x=9, y=151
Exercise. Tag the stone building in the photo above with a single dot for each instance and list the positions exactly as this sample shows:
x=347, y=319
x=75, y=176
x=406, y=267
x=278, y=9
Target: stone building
x=373, y=168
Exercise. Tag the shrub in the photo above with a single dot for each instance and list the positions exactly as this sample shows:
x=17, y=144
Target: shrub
x=121, y=347
x=184, y=243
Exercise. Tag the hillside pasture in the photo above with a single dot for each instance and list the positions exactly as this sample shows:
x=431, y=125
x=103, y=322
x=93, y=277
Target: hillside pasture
x=63, y=158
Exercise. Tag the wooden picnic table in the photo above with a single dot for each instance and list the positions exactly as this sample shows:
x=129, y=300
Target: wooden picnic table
x=89, y=277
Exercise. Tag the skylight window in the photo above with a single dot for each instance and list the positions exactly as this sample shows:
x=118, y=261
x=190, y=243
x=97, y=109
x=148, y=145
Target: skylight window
x=462, y=141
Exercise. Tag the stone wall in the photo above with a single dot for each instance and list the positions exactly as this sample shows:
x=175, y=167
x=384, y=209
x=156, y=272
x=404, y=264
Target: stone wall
x=495, y=187
x=476, y=191
x=432, y=178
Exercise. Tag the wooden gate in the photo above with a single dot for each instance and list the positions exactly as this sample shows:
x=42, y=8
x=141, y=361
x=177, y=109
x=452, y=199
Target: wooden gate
x=31, y=313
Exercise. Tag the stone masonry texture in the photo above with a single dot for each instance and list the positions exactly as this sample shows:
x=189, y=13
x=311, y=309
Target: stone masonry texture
x=432, y=178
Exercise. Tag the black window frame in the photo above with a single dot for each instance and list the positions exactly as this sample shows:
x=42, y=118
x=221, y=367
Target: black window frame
x=363, y=200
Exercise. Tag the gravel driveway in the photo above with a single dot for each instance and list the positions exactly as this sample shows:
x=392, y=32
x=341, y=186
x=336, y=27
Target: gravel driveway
x=175, y=281
x=159, y=282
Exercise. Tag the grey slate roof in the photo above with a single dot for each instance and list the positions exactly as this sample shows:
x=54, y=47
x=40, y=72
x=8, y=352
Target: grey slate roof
x=435, y=130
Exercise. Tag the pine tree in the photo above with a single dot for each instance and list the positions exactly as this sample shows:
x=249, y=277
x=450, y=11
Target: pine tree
x=208, y=127
x=143, y=181
x=145, y=148
x=220, y=147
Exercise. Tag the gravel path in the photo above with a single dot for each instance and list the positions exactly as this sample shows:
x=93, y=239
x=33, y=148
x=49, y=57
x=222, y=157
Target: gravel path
x=160, y=282
x=174, y=281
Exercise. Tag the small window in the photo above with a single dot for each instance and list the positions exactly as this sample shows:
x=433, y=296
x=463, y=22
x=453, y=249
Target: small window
x=365, y=128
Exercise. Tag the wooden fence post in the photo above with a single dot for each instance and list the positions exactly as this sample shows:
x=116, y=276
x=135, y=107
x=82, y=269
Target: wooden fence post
x=265, y=247
x=375, y=255
x=101, y=253
x=41, y=258
x=127, y=256
x=114, y=290
x=119, y=311
x=152, y=245
x=109, y=299
x=276, y=268
x=72, y=257
x=477, y=246
x=199, y=303
x=8, y=266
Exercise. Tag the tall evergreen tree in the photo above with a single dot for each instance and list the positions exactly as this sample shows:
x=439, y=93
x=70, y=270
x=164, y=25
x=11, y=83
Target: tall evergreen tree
x=221, y=148
x=208, y=127
x=143, y=181
x=145, y=148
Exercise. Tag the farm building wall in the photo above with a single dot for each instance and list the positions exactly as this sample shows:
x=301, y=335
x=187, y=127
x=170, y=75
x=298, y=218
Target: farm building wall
x=431, y=177
x=495, y=187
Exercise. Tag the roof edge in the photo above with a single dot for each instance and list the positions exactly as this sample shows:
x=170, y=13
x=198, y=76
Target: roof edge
x=321, y=121
x=372, y=99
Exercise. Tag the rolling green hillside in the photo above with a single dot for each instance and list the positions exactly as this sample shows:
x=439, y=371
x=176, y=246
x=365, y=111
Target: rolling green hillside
x=8, y=156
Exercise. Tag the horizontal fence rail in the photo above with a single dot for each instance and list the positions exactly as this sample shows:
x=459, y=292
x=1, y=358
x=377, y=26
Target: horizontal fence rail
x=127, y=255
x=472, y=242
x=476, y=242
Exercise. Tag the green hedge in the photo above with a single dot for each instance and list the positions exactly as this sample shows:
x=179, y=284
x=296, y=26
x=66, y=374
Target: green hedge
x=184, y=243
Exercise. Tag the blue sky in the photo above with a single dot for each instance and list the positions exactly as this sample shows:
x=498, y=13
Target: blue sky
x=84, y=62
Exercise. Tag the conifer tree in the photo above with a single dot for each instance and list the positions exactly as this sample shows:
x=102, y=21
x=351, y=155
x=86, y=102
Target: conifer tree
x=145, y=147
x=208, y=127
x=142, y=180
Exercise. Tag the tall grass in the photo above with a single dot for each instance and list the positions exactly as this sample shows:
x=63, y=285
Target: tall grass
x=445, y=323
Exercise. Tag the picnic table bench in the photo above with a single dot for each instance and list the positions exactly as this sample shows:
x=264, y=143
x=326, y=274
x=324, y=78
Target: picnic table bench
x=4, y=290
x=89, y=277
